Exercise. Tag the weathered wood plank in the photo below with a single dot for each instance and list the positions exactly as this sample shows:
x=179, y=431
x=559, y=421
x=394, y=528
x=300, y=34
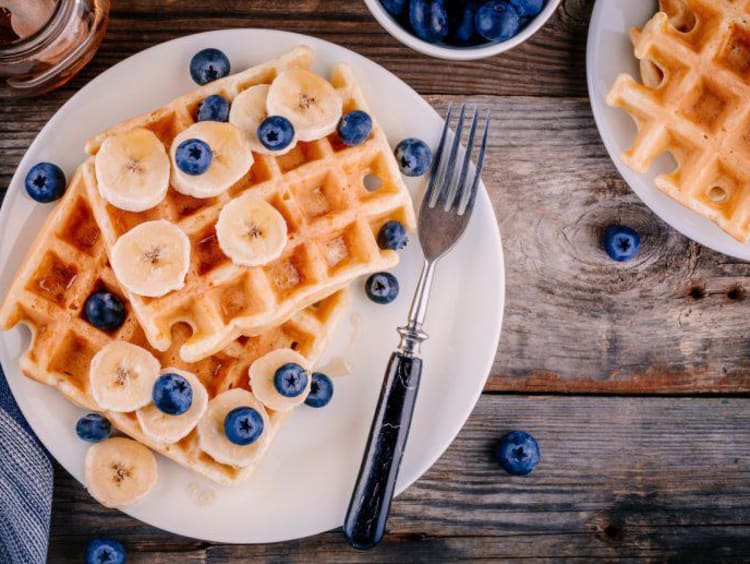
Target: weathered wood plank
x=620, y=478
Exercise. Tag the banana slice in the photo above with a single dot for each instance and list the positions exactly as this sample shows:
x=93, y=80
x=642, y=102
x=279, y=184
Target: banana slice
x=262, y=373
x=119, y=471
x=152, y=259
x=251, y=231
x=231, y=159
x=122, y=376
x=212, y=438
x=307, y=100
x=167, y=429
x=247, y=113
x=132, y=170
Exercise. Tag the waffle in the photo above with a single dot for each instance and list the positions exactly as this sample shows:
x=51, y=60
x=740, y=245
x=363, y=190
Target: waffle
x=694, y=103
x=67, y=263
x=319, y=189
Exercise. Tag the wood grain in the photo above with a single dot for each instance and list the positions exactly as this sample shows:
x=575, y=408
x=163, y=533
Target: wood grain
x=655, y=478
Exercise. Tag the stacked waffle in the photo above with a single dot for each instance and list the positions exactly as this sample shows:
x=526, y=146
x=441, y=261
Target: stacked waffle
x=227, y=276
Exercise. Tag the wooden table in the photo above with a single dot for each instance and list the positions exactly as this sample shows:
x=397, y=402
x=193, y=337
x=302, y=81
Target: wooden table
x=634, y=377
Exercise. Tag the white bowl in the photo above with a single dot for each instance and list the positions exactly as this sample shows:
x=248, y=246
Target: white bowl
x=458, y=53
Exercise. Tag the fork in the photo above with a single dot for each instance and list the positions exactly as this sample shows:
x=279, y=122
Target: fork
x=443, y=217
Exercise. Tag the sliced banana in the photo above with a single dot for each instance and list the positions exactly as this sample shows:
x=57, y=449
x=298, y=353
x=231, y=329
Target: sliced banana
x=231, y=159
x=262, y=373
x=307, y=100
x=212, y=438
x=152, y=259
x=119, y=471
x=122, y=376
x=247, y=113
x=251, y=231
x=167, y=429
x=132, y=170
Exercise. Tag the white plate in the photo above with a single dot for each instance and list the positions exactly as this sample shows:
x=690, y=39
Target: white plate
x=303, y=486
x=609, y=53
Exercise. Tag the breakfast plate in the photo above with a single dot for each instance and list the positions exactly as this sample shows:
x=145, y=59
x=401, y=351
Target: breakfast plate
x=303, y=485
x=609, y=52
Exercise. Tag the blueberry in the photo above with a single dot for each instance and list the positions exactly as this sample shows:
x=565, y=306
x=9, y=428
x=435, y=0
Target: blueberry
x=105, y=551
x=392, y=236
x=527, y=8
x=355, y=127
x=172, y=394
x=518, y=453
x=429, y=19
x=461, y=27
x=382, y=287
x=290, y=380
x=621, y=243
x=395, y=7
x=414, y=156
x=93, y=428
x=193, y=156
x=208, y=65
x=321, y=390
x=276, y=133
x=104, y=310
x=213, y=108
x=243, y=425
x=45, y=182
x=497, y=20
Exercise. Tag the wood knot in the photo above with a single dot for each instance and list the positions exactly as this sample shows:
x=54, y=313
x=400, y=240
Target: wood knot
x=736, y=293
x=697, y=292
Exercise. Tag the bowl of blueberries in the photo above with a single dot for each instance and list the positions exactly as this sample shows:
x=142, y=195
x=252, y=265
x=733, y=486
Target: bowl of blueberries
x=462, y=29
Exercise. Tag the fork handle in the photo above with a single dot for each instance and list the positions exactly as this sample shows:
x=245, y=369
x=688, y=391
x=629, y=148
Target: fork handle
x=371, y=499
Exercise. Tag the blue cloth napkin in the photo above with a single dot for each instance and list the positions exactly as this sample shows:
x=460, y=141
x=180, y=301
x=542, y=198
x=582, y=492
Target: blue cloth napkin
x=25, y=486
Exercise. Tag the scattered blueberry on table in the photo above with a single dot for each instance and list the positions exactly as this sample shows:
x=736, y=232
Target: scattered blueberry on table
x=243, y=425
x=193, y=156
x=93, y=428
x=382, y=287
x=321, y=390
x=354, y=127
x=172, y=394
x=621, y=242
x=105, y=551
x=290, y=380
x=104, y=310
x=208, y=65
x=414, y=156
x=276, y=133
x=45, y=182
x=518, y=453
x=392, y=235
x=213, y=108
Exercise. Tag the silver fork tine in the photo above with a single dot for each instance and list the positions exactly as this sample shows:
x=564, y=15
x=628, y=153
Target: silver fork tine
x=455, y=202
x=437, y=158
x=447, y=181
x=478, y=171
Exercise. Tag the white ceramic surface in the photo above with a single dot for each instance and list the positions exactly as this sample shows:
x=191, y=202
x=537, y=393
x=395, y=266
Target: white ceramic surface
x=458, y=53
x=609, y=53
x=303, y=486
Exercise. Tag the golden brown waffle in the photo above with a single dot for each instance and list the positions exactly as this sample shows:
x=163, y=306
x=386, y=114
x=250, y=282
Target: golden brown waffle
x=65, y=265
x=319, y=188
x=694, y=103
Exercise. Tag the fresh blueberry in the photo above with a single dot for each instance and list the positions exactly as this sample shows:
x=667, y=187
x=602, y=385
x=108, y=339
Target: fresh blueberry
x=193, y=156
x=395, y=7
x=208, y=65
x=461, y=27
x=621, y=243
x=45, y=182
x=290, y=380
x=93, y=428
x=518, y=453
x=497, y=20
x=382, y=287
x=172, y=394
x=392, y=236
x=355, y=127
x=527, y=8
x=243, y=425
x=276, y=133
x=414, y=156
x=105, y=551
x=213, y=108
x=104, y=310
x=321, y=390
x=429, y=19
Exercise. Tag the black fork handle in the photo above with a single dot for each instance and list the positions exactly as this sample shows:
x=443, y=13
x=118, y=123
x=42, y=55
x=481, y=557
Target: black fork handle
x=371, y=499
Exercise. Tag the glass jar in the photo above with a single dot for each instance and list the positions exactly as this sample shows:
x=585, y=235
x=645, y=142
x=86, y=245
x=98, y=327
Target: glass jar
x=55, y=52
